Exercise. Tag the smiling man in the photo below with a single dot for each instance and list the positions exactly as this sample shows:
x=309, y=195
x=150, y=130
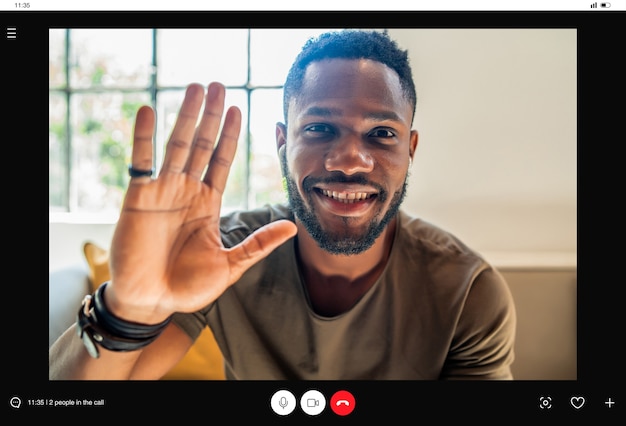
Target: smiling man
x=351, y=143
x=338, y=283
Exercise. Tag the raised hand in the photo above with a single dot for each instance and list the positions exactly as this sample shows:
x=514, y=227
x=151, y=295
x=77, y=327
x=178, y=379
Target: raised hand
x=166, y=252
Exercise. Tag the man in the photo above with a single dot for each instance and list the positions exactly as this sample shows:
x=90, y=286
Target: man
x=338, y=284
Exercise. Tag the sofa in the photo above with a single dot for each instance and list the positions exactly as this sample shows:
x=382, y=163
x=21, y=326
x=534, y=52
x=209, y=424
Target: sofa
x=66, y=289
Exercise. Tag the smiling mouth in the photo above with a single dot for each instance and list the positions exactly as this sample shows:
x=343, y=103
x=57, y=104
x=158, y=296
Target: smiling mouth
x=346, y=197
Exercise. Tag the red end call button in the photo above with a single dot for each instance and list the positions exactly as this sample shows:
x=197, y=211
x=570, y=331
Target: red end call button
x=342, y=403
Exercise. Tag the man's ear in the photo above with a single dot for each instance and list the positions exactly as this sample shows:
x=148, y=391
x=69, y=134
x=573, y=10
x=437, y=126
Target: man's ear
x=413, y=143
x=281, y=135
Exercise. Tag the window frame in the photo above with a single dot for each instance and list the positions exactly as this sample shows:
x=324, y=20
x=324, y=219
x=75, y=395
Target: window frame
x=70, y=212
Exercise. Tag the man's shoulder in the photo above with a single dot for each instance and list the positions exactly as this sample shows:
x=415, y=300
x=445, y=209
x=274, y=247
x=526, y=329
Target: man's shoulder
x=238, y=224
x=416, y=226
x=420, y=233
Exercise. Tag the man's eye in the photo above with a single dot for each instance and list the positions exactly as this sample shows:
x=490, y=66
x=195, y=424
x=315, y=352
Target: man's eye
x=318, y=128
x=382, y=133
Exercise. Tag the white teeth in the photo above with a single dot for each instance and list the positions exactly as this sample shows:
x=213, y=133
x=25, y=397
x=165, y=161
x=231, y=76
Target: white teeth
x=349, y=198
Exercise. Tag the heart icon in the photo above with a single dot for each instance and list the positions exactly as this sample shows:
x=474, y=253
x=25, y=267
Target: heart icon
x=577, y=402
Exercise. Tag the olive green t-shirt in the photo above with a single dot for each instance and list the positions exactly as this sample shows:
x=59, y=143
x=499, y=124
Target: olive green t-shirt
x=438, y=311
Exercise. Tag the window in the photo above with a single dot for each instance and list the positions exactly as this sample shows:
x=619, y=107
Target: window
x=98, y=78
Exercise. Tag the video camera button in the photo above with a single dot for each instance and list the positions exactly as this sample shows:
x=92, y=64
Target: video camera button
x=313, y=402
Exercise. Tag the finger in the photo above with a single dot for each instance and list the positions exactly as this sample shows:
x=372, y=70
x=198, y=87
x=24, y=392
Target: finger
x=207, y=131
x=179, y=143
x=258, y=245
x=222, y=157
x=141, y=156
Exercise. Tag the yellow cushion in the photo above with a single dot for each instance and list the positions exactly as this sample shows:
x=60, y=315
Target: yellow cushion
x=98, y=262
x=204, y=360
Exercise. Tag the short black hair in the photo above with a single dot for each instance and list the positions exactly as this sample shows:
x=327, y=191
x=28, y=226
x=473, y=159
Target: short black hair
x=350, y=44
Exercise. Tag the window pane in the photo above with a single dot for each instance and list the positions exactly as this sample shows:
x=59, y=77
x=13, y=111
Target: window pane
x=56, y=58
x=110, y=58
x=168, y=105
x=101, y=140
x=272, y=52
x=58, y=170
x=202, y=55
x=116, y=61
x=265, y=112
x=235, y=195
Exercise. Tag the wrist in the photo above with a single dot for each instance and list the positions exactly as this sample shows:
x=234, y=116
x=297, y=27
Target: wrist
x=130, y=308
x=97, y=326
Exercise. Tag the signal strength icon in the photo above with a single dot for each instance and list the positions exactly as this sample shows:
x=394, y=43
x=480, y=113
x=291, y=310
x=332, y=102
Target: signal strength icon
x=594, y=5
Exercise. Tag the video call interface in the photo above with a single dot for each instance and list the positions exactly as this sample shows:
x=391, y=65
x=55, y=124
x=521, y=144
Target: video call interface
x=583, y=386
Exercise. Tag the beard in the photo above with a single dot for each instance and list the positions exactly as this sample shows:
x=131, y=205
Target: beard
x=352, y=241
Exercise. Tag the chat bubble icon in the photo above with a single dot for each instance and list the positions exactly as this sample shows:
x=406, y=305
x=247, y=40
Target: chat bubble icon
x=15, y=402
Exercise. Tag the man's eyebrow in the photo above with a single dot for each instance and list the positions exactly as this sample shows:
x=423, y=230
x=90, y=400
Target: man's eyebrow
x=383, y=116
x=373, y=115
x=322, y=112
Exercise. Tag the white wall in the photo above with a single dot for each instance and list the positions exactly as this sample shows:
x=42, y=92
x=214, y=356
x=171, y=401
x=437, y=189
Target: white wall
x=66, y=241
x=496, y=160
x=496, y=113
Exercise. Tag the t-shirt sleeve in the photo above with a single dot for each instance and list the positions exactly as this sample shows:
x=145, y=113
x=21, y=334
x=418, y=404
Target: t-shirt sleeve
x=483, y=344
x=192, y=324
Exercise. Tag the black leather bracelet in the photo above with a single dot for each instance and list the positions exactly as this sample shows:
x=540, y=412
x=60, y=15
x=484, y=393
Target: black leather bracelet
x=119, y=327
x=97, y=326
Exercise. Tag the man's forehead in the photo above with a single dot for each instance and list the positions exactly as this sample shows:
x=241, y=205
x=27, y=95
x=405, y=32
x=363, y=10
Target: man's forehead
x=351, y=68
x=343, y=80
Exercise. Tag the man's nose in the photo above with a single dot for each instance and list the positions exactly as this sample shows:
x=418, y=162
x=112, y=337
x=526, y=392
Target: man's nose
x=349, y=155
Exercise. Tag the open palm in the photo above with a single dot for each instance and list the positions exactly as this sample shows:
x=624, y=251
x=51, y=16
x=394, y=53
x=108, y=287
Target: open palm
x=167, y=254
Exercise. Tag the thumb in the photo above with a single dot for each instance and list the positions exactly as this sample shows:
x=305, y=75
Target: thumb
x=258, y=245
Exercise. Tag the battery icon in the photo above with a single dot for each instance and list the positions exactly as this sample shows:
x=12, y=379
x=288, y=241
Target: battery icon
x=605, y=5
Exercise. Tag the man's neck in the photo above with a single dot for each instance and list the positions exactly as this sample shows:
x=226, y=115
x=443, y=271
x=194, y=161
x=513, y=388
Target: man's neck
x=335, y=282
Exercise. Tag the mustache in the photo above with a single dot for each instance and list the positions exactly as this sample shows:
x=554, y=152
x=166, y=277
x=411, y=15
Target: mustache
x=309, y=182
